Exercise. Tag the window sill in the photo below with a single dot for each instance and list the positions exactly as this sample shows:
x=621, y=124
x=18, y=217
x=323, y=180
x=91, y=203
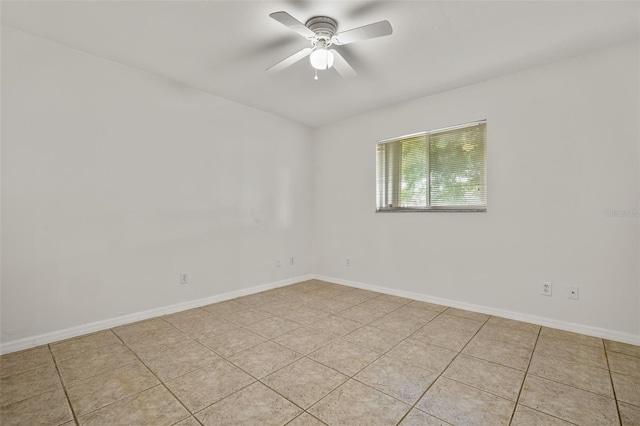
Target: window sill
x=435, y=210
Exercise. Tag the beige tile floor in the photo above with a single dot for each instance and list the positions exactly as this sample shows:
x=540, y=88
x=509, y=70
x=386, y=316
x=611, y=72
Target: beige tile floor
x=318, y=353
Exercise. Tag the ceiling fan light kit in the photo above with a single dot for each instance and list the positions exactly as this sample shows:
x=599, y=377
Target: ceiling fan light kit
x=321, y=58
x=321, y=32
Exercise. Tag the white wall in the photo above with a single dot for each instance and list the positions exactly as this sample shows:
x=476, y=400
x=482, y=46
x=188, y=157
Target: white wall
x=563, y=147
x=114, y=181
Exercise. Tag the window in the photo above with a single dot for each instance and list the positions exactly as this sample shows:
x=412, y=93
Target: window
x=440, y=170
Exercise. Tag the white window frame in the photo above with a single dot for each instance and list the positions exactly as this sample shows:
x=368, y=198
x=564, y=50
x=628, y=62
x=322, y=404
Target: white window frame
x=394, y=164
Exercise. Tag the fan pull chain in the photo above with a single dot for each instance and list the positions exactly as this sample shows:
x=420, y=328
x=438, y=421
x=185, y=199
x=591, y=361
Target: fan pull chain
x=316, y=76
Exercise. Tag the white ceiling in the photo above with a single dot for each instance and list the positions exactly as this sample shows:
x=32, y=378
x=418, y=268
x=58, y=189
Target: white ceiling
x=224, y=47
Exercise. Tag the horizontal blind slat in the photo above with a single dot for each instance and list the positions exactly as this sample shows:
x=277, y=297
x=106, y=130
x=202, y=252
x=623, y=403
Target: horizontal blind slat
x=444, y=168
x=457, y=165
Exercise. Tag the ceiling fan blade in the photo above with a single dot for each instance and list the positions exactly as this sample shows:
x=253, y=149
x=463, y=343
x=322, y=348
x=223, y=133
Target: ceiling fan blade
x=378, y=29
x=341, y=65
x=290, y=60
x=289, y=21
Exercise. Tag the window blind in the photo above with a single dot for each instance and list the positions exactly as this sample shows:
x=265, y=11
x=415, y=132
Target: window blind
x=441, y=169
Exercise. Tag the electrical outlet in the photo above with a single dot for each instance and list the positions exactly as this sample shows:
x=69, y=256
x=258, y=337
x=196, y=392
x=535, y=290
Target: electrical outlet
x=291, y=260
x=573, y=292
x=277, y=263
x=545, y=288
x=184, y=279
x=348, y=261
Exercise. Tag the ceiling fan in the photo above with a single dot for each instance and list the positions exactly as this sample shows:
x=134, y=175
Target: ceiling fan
x=321, y=31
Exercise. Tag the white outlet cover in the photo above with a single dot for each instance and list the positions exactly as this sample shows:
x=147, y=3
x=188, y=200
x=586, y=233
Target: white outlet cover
x=574, y=292
x=546, y=288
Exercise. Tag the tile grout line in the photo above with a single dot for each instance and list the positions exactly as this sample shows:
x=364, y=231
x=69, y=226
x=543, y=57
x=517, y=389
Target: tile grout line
x=35, y=368
x=613, y=388
x=490, y=362
x=200, y=343
x=255, y=379
x=439, y=313
x=154, y=375
x=304, y=410
x=558, y=382
x=572, y=386
x=223, y=398
x=536, y=375
x=579, y=363
x=222, y=357
x=367, y=348
x=64, y=388
x=308, y=303
x=301, y=414
x=333, y=341
x=515, y=407
x=352, y=377
x=443, y=370
x=384, y=353
x=227, y=360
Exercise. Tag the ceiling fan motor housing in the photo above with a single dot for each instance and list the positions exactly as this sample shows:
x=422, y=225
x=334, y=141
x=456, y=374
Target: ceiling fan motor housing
x=324, y=27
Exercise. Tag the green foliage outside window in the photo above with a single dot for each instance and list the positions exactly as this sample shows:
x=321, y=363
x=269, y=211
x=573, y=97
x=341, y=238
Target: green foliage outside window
x=436, y=170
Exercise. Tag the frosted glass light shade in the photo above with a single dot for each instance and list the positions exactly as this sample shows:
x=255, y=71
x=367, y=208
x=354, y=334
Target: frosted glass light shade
x=321, y=59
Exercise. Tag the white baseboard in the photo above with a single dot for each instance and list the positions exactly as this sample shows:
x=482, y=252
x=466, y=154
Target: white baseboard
x=547, y=322
x=45, y=338
x=42, y=339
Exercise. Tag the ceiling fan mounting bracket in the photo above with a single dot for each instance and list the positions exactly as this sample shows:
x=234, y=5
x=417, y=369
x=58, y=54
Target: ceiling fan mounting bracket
x=323, y=26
